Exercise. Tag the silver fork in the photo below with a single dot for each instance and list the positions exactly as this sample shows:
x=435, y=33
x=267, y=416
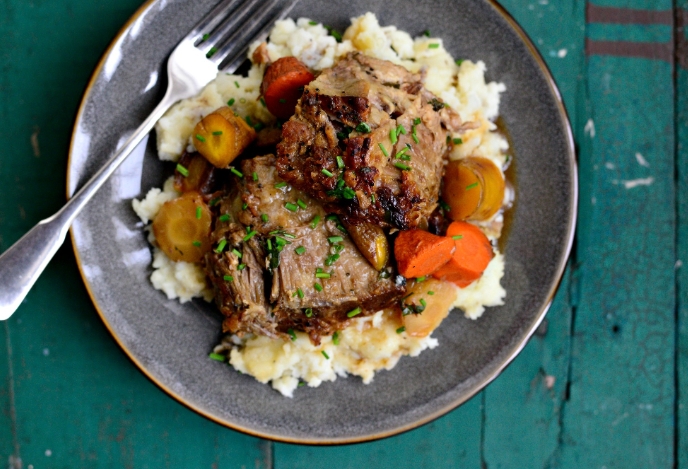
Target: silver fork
x=217, y=42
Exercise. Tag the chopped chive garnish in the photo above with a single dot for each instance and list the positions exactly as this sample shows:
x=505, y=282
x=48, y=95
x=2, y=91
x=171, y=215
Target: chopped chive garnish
x=199, y=212
x=459, y=62
x=471, y=186
x=288, y=235
x=281, y=241
x=382, y=148
x=236, y=172
x=269, y=243
x=312, y=23
x=363, y=128
x=299, y=292
x=291, y=207
x=426, y=33
x=216, y=357
x=433, y=45
x=422, y=301
x=401, y=329
x=211, y=52
x=250, y=235
x=326, y=173
x=197, y=244
x=236, y=253
x=301, y=204
x=332, y=217
x=300, y=250
x=292, y=334
x=308, y=312
x=457, y=141
x=340, y=162
x=200, y=138
x=231, y=101
x=335, y=239
x=248, y=229
x=228, y=278
x=244, y=206
x=401, y=130
x=457, y=236
x=280, y=185
x=241, y=266
x=372, y=198
x=205, y=37
x=301, y=384
x=249, y=121
x=182, y=170
x=213, y=202
x=335, y=338
x=421, y=279
x=236, y=83
x=393, y=135
x=316, y=220
x=325, y=354
x=318, y=287
x=444, y=205
x=413, y=134
x=331, y=259
x=322, y=275
x=255, y=176
x=221, y=245
x=416, y=121
x=431, y=293
x=282, y=100
x=262, y=101
x=217, y=132
x=402, y=166
x=264, y=217
x=353, y=312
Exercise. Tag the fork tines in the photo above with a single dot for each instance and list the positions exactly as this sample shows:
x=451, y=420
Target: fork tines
x=224, y=33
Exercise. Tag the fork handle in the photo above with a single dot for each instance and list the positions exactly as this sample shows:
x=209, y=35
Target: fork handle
x=25, y=260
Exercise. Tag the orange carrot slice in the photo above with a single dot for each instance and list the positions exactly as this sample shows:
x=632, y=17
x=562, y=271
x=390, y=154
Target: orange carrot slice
x=420, y=253
x=283, y=84
x=470, y=258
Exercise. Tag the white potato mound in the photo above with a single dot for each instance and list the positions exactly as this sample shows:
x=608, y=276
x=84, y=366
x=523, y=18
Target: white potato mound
x=371, y=343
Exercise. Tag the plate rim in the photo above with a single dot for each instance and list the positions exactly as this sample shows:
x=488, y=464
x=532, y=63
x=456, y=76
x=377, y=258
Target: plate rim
x=477, y=387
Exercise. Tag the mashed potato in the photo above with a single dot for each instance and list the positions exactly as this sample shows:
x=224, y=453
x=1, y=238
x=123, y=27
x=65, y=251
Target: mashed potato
x=371, y=343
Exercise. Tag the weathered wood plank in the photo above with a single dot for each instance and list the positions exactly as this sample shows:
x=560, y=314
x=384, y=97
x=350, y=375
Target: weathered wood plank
x=523, y=406
x=448, y=442
x=682, y=238
x=620, y=411
x=79, y=401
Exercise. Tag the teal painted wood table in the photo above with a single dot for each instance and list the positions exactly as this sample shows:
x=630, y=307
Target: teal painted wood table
x=603, y=383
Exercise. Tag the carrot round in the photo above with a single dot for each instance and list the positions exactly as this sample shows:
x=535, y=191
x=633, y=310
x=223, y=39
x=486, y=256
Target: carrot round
x=470, y=258
x=420, y=253
x=283, y=84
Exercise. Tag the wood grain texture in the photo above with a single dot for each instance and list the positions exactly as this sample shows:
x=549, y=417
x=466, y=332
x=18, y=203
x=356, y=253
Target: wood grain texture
x=682, y=239
x=622, y=382
x=79, y=402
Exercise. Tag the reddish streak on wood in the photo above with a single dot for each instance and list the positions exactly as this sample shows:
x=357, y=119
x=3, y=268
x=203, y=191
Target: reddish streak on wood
x=598, y=14
x=643, y=50
x=681, y=40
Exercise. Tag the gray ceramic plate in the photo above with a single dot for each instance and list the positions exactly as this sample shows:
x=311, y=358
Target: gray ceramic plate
x=170, y=342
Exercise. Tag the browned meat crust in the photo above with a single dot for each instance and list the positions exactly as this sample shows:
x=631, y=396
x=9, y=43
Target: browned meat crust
x=350, y=111
x=272, y=292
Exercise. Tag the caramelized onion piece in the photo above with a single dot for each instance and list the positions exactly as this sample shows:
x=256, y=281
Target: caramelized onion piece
x=372, y=242
x=436, y=308
x=221, y=136
x=473, y=189
x=182, y=228
x=194, y=173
